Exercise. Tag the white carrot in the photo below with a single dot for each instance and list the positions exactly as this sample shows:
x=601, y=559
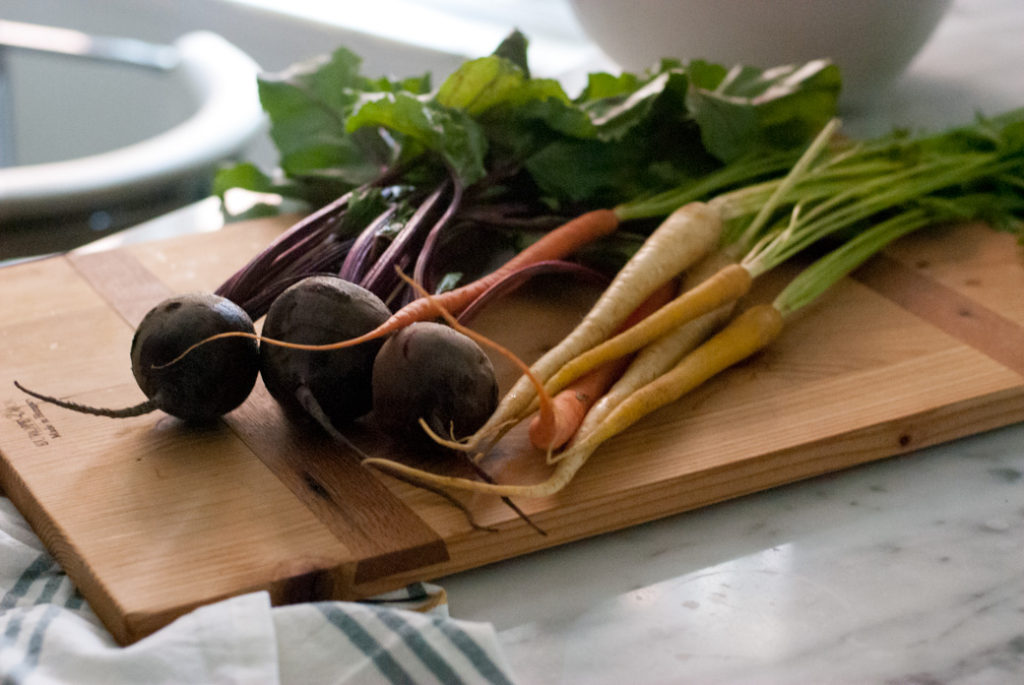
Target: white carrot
x=662, y=354
x=725, y=287
x=683, y=238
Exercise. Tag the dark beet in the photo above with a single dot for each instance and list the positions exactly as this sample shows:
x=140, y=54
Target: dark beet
x=212, y=379
x=430, y=371
x=209, y=381
x=318, y=310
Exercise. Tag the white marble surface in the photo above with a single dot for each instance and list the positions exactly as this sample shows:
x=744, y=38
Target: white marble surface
x=905, y=571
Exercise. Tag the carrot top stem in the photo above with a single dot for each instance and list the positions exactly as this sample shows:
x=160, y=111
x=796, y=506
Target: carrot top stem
x=815, y=279
x=795, y=174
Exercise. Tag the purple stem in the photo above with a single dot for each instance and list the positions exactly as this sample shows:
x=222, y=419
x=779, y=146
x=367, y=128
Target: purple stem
x=381, y=278
x=322, y=258
x=510, y=215
x=355, y=264
x=313, y=226
x=260, y=274
x=421, y=270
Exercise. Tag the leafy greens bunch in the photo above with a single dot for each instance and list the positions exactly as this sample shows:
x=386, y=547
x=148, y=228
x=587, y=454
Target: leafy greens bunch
x=442, y=182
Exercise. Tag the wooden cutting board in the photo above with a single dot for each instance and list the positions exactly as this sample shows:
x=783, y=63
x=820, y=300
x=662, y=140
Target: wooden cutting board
x=151, y=519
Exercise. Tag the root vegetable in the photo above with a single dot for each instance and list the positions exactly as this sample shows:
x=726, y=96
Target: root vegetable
x=571, y=404
x=745, y=335
x=683, y=238
x=724, y=288
x=430, y=372
x=662, y=354
x=864, y=197
x=207, y=384
x=319, y=309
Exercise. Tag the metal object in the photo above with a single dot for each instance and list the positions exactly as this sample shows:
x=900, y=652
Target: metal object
x=6, y=113
x=73, y=43
x=68, y=43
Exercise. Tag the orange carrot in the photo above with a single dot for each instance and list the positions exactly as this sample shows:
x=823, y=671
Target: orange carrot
x=571, y=405
x=556, y=244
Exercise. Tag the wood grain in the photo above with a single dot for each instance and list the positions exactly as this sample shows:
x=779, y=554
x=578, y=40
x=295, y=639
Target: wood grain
x=349, y=500
x=946, y=309
x=128, y=287
x=152, y=519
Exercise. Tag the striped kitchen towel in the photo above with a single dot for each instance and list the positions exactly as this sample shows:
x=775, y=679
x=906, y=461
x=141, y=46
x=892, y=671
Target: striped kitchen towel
x=48, y=635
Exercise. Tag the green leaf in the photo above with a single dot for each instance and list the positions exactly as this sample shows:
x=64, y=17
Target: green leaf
x=514, y=49
x=625, y=134
x=308, y=106
x=296, y=116
x=449, y=132
x=245, y=175
x=616, y=116
x=480, y=84
x=742, y=109
x=340, y=159
x=602, y=85
x=417, y=85
x=577, y=170
x=518, y=130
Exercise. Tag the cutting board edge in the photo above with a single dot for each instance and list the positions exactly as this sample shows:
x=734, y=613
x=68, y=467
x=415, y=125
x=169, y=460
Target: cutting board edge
x=285, y=584
x=901, y=436
x=63, y=551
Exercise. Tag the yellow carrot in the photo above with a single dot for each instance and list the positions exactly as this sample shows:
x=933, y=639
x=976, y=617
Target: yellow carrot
x=651, y=362
x=665, y=352
x=571, y=405
x=683, y=238
x=728, y=285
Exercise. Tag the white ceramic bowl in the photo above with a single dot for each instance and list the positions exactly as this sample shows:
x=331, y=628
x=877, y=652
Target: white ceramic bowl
x=872, y=41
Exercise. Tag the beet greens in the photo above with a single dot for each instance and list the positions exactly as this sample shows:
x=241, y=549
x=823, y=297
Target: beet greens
x=399, y=174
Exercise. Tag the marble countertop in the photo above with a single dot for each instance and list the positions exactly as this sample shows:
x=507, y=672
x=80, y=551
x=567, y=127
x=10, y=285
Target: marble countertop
x=903, y=571
x=908, y=570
